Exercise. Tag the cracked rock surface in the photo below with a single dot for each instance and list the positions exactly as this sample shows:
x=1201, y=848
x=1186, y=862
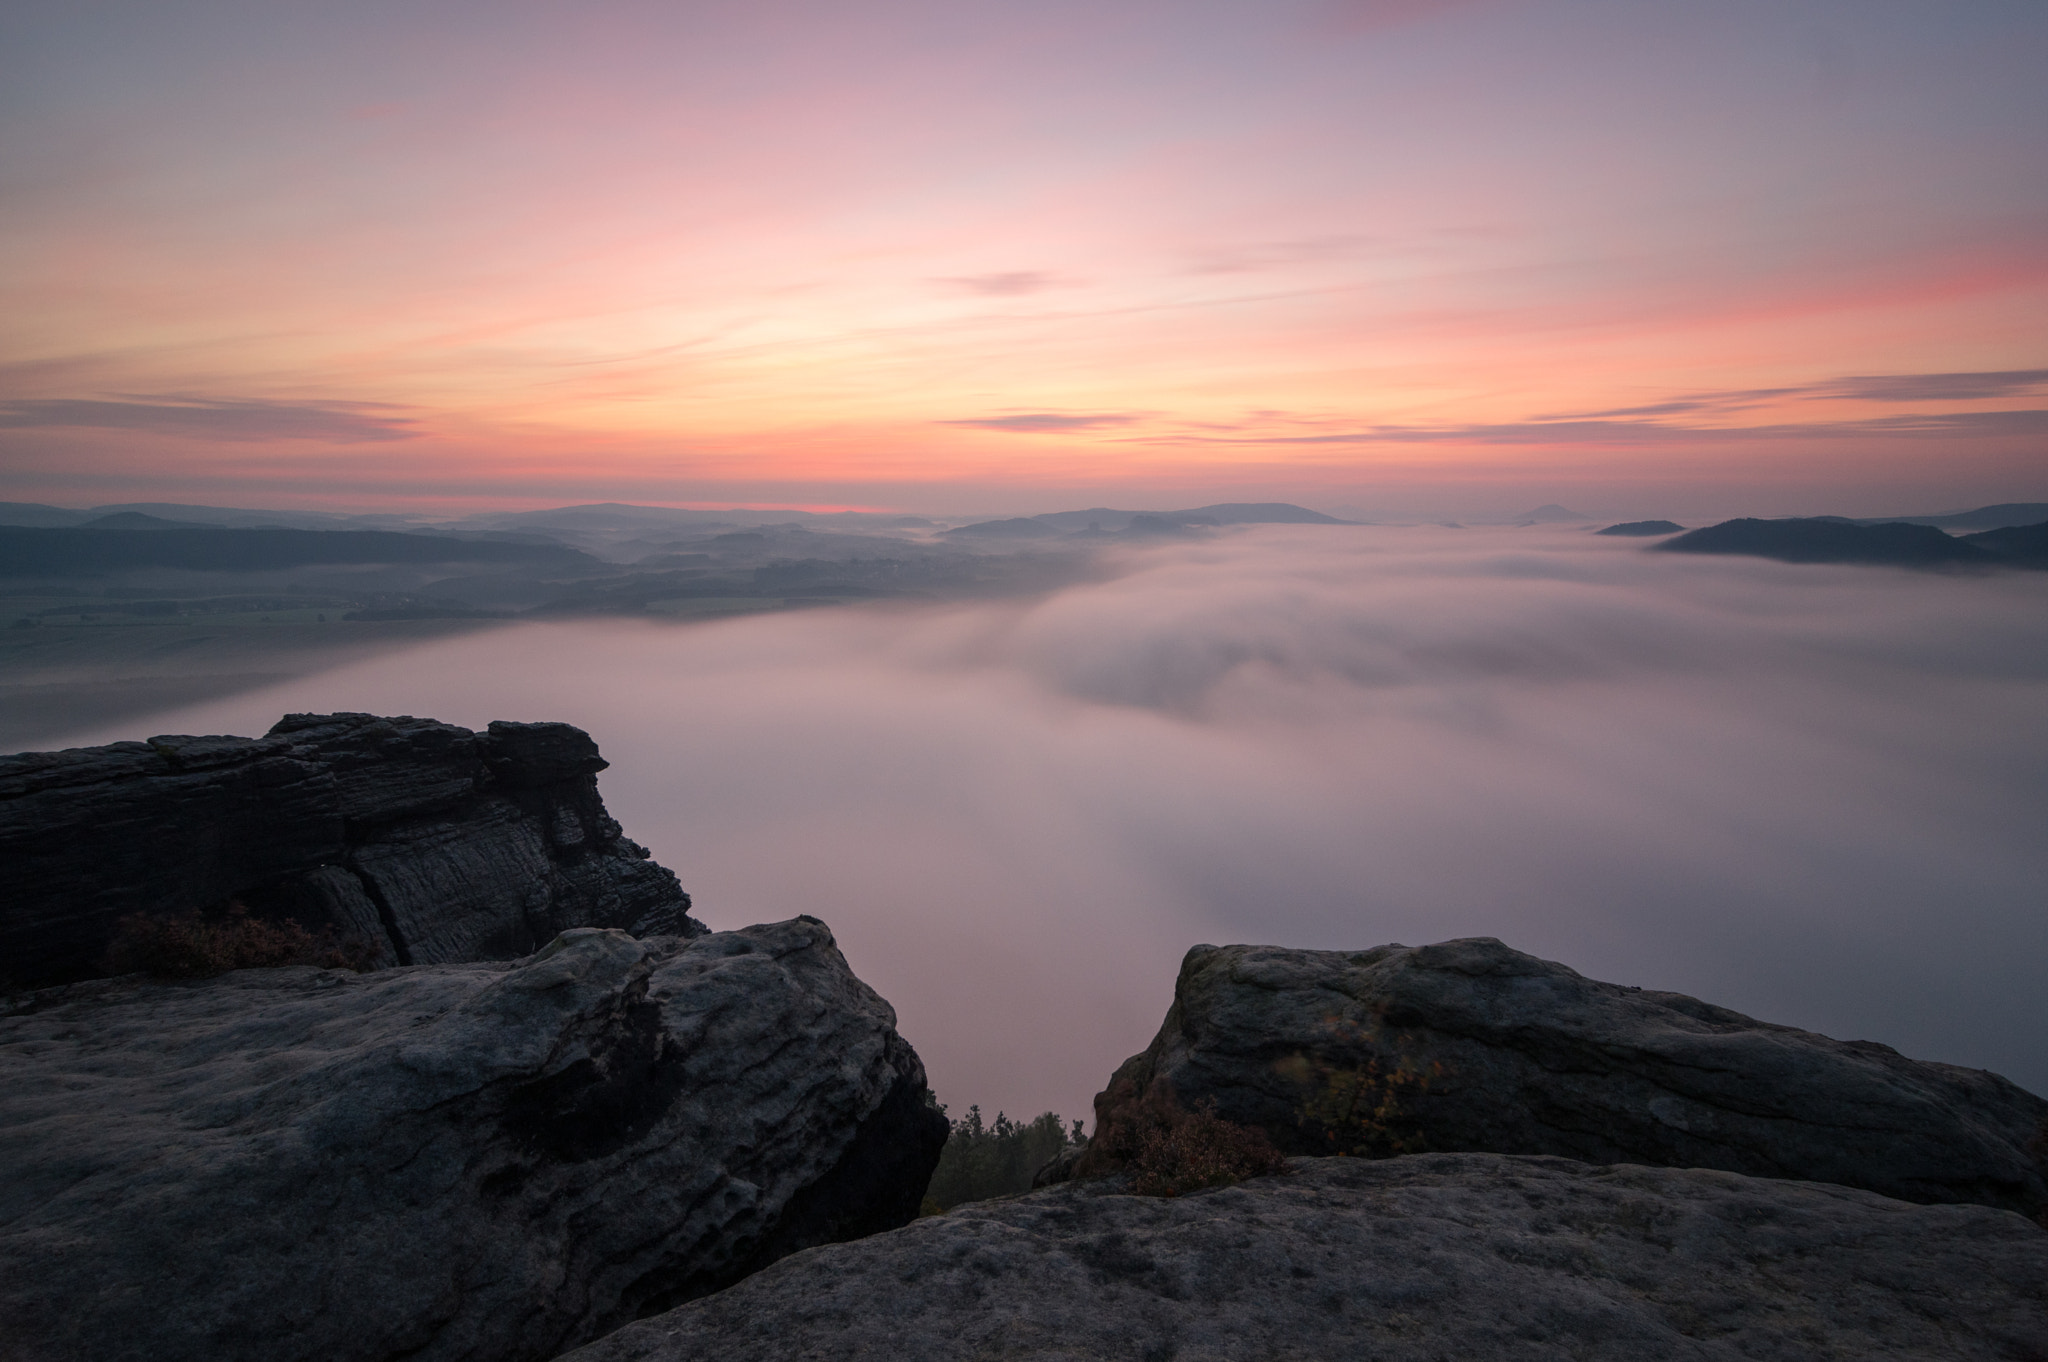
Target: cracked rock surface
x=1537, y=1059
x=1413, y=1259
x=426, y=842
x=471, y=1161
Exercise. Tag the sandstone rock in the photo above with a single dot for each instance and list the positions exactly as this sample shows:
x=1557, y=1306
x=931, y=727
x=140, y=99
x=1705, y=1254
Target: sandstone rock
x=471, y=1161
x=1528, y=1057
x=1414, y=1259
x=429, y=842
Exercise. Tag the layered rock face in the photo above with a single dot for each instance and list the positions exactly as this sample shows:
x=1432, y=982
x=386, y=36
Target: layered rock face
x=427, y=842
x=471, y=1161
x=1469, y=1256
x=1524, y=1056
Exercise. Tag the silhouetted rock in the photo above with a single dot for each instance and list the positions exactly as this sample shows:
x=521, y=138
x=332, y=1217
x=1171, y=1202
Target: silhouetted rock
x=1829, y=539
x=459, y=1161
x=1525, y=1056
x=2021, y=545
x=1469, y=1256
x=1643, y=528
x=428, y=842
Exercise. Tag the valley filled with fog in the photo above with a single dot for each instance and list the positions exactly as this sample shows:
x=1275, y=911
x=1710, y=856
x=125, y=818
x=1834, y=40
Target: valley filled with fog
x=1811, y=793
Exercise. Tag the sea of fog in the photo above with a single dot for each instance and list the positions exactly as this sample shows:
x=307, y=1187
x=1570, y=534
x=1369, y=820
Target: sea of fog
x=1814, y=794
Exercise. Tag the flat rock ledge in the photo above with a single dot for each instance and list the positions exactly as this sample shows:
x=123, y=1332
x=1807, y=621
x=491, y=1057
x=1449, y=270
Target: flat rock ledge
x=1526, y=1056
x=482, y=1161
x=1412, y=1259
x=422, y=842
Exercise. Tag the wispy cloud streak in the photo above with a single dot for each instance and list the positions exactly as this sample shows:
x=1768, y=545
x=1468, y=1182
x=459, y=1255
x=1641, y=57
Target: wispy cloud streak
x=1006, y=284
x=1956, y=424
x=1045, y=422
x=1935, y=387
x=213, y=419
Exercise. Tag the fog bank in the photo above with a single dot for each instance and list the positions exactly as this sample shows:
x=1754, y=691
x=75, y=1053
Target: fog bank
x=1814, y=794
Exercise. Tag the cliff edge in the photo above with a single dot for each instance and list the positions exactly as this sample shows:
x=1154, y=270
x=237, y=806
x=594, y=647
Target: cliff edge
x=420, y=842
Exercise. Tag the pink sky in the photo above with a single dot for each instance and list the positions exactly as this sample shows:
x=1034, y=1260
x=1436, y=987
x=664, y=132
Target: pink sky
x=1648, y=257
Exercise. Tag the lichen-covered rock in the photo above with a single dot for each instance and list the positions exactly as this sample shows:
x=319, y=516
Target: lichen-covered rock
x=1524, y=1056
x=425, y=842
x=1414, y=1259
x=469, y=1161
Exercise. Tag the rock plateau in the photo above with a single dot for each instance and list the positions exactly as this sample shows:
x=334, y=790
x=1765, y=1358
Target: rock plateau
x=1412, y=1259
x=480, y=1161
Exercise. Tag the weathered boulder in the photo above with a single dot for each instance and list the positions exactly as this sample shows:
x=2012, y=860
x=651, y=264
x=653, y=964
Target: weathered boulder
x=1524, y=1056
x=462, y=1161
x=1469, y=1256
x=426, y=842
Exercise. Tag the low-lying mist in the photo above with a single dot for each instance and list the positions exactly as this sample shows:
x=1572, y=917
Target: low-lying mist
x=1814, y=794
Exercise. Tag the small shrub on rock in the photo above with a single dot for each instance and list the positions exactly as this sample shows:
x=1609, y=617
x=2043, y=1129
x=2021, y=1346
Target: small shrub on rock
x=1201, y=1150
x=1366, y=1112
x=1168, y=1149
x=1364, y=1108
x=199, y=946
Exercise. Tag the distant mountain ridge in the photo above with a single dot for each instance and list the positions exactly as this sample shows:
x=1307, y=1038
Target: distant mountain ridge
x=32, y=513
x=135, y=541
x=1112, y=521
x=2001, y=516
x=1832, y=539
x=1643, y=528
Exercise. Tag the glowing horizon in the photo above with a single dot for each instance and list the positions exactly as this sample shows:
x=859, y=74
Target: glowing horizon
x=932, y=258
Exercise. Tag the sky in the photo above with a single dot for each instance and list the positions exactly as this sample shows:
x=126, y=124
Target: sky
x=1809, y=793
x=1642, y=257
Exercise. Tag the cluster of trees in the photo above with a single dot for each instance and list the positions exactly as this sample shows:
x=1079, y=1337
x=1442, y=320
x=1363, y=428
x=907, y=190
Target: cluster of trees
x=995, y=1158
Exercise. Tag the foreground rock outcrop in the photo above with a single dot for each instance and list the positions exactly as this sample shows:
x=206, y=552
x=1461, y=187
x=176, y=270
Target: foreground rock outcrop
x=1468, y=1256
x=472, y=1161
x=1524, y=1056
x=425, y=842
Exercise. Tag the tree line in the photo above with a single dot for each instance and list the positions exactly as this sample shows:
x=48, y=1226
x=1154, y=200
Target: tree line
x=994, y=1158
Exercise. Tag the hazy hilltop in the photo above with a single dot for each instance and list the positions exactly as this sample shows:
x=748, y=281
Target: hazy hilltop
x=1550, y=513
x=1997, y=517
x=1834, y=539
x=1642, y=529
x=131, y=541
x=35, y=513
